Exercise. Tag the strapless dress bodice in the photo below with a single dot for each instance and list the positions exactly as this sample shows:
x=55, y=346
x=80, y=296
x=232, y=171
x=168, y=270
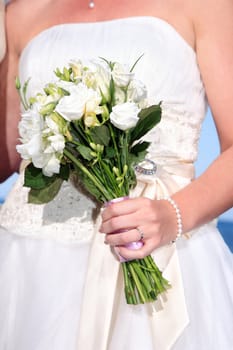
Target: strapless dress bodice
x=168, y=68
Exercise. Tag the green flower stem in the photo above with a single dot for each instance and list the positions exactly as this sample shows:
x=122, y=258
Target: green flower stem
x=24, y=102
x=107, y=172
x=157, y=281
x=147, y=273
x=99, y=176
x=108, y=178
x=87, y=172
x=160, y=282
x=79, y=134
x=129, y=288
x=137, y=282
x=142, y=277
x=115, y=146
x=22, y=96
x=125, y=151
x=143, y=281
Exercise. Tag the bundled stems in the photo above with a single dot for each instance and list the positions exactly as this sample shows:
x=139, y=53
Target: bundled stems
x=143, y=281
x=142, y=278
x=81, y=167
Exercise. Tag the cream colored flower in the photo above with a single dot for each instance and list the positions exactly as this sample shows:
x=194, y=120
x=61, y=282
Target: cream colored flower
x=124, y=116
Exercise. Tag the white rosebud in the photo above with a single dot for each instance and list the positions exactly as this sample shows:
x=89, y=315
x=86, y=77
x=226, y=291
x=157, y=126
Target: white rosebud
x=77, y=68
x=124, y=116
x=121, y=75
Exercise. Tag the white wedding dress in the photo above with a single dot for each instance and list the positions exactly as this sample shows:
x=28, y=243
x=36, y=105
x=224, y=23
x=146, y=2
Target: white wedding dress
x=44, y=250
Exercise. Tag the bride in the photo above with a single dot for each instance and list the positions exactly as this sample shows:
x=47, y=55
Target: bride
x=60, y=286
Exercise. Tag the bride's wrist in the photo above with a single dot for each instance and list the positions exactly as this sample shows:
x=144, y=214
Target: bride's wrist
x=177, y=213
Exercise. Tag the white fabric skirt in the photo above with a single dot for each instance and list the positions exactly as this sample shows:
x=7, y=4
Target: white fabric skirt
x=41, y=286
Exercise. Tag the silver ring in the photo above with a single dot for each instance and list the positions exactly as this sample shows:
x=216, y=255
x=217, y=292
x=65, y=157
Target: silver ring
x=141, y=233
x=146, y=167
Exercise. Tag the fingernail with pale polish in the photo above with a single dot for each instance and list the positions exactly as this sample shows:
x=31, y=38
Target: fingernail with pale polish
x=121, y=259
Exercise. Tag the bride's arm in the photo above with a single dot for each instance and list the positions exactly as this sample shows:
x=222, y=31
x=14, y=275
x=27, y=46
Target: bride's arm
x=2, y=30
x=24, y=19
x=212, y=193
x=9, y=111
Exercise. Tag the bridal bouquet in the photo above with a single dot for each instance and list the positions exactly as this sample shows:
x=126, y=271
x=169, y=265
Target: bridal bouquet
x=90, y=121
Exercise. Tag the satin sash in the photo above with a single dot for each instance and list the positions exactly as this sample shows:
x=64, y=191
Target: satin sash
x=168, y=315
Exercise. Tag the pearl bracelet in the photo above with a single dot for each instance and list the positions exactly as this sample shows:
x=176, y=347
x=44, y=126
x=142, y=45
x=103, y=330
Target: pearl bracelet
x=178, y=218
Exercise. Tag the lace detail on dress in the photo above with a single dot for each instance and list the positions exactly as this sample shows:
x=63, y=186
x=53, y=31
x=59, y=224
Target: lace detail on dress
x=69, y=217
x=177, y=134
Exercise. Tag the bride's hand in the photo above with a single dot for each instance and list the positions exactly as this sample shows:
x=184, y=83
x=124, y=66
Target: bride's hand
x=124, y=222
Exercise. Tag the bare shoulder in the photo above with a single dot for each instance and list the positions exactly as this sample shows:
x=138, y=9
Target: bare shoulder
x=22, y=17
x=207, y=17
x=213, y=17
x=213, y=23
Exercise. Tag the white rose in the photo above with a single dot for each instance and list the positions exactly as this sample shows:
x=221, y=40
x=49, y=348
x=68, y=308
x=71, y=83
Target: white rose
x=124, y=116
x=121, y=75
x=73, y=107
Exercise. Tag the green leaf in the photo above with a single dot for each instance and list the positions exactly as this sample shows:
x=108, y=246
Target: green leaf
x=64, y=172
x=139, y=147
x=85, y=152
x=34, y=178
x=46, y=194
x=135, y=159
x=100, y=135
x=148, y=118
x=110, y=152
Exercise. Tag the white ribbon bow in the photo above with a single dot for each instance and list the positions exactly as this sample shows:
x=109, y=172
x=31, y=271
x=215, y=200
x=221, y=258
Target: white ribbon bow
x=170, y=316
